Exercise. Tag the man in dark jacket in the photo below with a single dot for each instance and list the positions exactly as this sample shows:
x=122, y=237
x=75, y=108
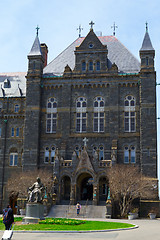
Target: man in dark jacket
x=8, y=217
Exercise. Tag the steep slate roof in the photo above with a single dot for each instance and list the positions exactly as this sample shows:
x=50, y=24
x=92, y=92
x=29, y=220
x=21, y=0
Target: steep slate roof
x=16, y=84
x=146, y=45
x=117, y=53
x=36, y=48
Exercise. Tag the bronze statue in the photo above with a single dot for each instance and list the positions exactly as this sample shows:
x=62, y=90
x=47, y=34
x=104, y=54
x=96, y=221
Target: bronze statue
x=36, y=192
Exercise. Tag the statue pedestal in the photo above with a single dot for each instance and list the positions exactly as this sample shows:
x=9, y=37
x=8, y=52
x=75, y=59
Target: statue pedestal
x=34, y=212
x=108, y=210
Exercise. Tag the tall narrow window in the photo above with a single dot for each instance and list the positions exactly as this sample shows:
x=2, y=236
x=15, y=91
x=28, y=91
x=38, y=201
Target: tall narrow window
x=90, y=66
x=53, y=153
x=77, y=150
x=0, y=107
x=129, y=114
x=98, y=121
x=16, y=108
x=83, y=66
x=81, y=115
x=126, y=155
x=17, y=132
x=133, y=155
x=51, y=120
x=13, y=159
x=12, y=132
x=101, y=153
x=46, y=157
x=98, y=67
x=147, y=61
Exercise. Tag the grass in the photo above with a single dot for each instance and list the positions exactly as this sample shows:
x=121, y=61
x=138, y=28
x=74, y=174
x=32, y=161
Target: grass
x=55, y=224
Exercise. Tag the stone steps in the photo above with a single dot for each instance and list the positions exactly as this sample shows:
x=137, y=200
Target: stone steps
x=69, y=211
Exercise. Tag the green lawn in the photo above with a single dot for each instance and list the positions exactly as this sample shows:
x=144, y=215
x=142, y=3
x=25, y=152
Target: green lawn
x=69, y=225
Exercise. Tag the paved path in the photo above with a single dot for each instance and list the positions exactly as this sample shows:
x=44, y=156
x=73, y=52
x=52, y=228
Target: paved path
x=148, y=229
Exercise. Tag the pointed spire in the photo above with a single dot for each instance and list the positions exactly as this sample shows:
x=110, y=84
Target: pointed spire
x=36, y=48
x=146, y=45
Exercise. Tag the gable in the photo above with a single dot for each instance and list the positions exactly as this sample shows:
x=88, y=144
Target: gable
x=91, y=42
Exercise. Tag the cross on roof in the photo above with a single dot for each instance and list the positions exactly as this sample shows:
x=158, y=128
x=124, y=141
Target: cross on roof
x=146, y=26
x=37, y=28
x=85, y=140
x=91, y=23
x=114, y=29
x=80, y=29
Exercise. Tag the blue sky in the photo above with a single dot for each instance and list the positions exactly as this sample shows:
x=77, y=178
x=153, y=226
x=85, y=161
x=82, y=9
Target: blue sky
x=59, y=20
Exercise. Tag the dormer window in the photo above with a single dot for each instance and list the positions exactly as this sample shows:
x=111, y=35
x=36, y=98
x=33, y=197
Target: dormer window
x=6, y=83
x=90, y=66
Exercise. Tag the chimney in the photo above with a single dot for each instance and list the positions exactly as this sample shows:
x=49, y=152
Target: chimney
x=44, y=50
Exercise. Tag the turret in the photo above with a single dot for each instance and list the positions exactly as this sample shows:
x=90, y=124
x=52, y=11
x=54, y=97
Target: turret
x=147, y=92
x=33, y=107
x=147, y=53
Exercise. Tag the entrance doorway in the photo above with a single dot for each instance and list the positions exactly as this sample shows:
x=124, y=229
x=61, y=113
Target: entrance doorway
x=85, y=187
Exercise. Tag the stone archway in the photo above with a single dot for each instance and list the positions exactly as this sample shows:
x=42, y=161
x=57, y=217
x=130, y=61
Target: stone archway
x=65, y=188
x=85, y=187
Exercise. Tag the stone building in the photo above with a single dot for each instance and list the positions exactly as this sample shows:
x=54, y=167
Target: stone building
x=93, y=106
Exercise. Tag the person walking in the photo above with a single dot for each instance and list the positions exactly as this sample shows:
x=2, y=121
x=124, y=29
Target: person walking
x=78, y=206
x=8, y=218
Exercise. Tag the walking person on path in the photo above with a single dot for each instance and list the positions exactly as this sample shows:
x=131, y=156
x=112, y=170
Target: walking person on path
x=8, y=217
x=78, y=206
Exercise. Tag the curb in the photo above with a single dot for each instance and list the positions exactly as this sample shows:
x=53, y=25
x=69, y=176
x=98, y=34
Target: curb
x=82, y=231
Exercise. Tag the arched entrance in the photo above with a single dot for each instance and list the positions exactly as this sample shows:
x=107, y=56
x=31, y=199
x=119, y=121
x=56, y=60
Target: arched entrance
x=65, y=188
x=103, y=188
x=85, y=187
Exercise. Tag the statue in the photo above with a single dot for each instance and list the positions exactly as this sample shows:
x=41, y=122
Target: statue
x=35, y=192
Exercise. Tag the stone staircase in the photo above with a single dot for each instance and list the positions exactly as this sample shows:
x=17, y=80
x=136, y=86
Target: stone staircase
x=69, y=211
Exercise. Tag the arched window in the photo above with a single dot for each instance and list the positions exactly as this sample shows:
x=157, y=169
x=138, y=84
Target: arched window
x=129, y=114
x=53, y=153
x=129, y=154
x=51, y=119
x=90, y=66
x=101, y=153
x=98, y=66
x=98, y=120
x=133, y=154
x=83, y=66
x=16, y=108
x=81, y=115
x=126, y=155
x=46, y=155
x=77, y=150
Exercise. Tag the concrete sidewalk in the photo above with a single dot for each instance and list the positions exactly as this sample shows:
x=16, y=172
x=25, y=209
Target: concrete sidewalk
x=148, y=229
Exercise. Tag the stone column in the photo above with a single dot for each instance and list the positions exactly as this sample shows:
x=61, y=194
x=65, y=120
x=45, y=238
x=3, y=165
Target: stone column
x=72, y=195
x=95, y=194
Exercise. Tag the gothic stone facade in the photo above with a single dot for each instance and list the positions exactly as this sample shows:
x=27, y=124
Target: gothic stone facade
x=93, y=106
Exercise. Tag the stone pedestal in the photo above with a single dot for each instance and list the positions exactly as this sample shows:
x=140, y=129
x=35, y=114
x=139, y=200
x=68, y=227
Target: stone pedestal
x=108, y=210
x=34, y=212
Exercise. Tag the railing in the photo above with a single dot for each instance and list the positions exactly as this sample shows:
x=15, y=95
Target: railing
x=105, y=163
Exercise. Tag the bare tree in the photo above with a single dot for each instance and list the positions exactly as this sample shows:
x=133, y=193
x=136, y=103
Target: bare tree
x=19, y=183
x=127, y=183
